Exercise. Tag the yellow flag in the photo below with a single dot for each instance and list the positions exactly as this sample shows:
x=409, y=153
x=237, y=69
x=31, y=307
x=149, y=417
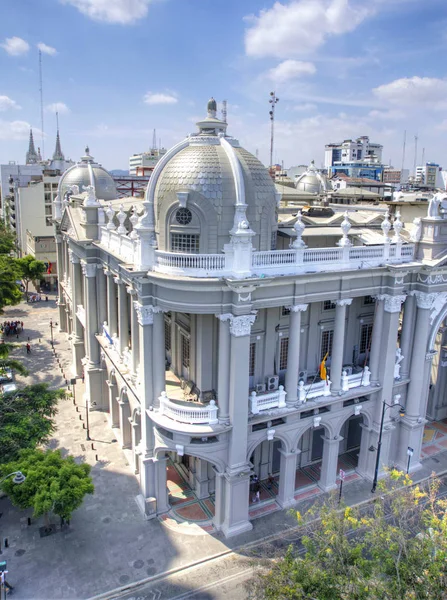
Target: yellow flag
x=323, y=373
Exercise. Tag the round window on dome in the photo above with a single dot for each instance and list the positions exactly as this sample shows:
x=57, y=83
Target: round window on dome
x=183, y=216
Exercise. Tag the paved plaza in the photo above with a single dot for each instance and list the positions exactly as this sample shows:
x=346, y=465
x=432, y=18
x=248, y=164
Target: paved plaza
x=108, y=544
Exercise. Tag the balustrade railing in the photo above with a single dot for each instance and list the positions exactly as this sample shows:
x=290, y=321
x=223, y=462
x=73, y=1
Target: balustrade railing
x=270, y=262
x=276, y=399
x=194, y=415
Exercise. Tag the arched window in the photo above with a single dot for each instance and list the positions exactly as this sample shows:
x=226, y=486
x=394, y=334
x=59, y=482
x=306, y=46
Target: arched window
x=184, y=231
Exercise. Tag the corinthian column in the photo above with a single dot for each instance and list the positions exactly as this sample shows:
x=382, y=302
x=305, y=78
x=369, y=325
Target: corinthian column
x=338, y=344
x=293, y=353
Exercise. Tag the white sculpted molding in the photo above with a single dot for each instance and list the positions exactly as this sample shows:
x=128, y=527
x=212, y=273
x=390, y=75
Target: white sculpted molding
x=393, y=303
x=89, y=269
x=240, y=326
x=432, y=278
x=145, y=313
x=74, y=259
x=298, y=307
x=344, y=302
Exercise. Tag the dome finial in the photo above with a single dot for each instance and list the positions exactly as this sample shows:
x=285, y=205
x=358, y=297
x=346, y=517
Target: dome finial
x=212, y=108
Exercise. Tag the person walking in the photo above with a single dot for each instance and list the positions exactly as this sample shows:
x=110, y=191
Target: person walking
x=4, y=584
x=257, y=490
x=28, y=348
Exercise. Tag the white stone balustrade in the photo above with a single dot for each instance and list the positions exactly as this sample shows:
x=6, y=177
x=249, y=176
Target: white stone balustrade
x=362, y=379
x=276, y=399
x=309, y=391
x=270, y=262
x=192, y=415
x=80, y=313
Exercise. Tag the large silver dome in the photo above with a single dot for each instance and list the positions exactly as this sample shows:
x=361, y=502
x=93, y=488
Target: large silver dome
x=312, y=181
x=87, y=172
x=204, y=175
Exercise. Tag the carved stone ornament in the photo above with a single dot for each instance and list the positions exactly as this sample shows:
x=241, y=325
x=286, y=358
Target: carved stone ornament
x=397, y=226
x=89, y=269
x=240, y=326
x=121, y=216
x=299, y=228
x=75, y=260
x=145, y=313
x=432, y=278
x=110, y=213
x=225, y=317
x=416, y=232
x=90, y=199
x=298, y=307
x=393, y=303
x=344, y=302
x=133, y=220
x=345, y=227
x=386, y=226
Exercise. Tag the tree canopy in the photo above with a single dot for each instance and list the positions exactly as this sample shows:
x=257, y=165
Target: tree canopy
x=392, y=549
x=30, y=269
x=26, y=418
x=53, y=483
x=10, y=293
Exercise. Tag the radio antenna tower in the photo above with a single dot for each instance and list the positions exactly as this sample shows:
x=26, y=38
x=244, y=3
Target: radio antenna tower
x=224, y=111
x=41, y=103
x=403, y=150
x=273, y=101
x=415, y=154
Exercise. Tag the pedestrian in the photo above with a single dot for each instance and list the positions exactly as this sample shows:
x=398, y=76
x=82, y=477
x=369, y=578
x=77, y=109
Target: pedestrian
x=270, y=481
x=257, y=490
x=28, y=348
x=83, y=377
x=4, y=584
x=46, y=298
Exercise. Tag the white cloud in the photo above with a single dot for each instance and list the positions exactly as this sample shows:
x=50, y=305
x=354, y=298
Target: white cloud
x=7, y=103
x=123, y=12
x=386, y=115
x=291, y=69
x=160, y=98
x=427, y=92
x=15, y=46
x=304, y=107
x=15, y=130
x=299, y=28
x=58, y=107
x=46, y=49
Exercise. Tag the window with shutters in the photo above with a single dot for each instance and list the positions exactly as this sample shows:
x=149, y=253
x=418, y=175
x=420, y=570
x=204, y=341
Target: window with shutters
x=326, y=343
x=283, y=350
x=328, y=305
x=185, y=351
x=185, y=242
x=167, y=336
x=365, y=337
x=252, y=360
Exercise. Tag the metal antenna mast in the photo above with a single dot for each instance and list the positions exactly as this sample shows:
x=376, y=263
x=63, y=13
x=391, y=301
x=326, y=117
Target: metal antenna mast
x=41, y=103
x=154, y=140
x=415, y=154
x=224, y=111
x=403, y=149
x=57, y=121
x=273, y=101
x=423, y=156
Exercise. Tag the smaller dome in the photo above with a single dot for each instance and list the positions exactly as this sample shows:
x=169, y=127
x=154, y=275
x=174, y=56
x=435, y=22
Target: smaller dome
x=88, y=172
x=312, y=181
x=212, y=105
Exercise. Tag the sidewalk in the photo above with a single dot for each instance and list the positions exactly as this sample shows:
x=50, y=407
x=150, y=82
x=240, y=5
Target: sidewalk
x=108, y=544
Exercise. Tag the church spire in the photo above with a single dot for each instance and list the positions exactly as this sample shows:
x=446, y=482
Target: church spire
x=58, y=155
x=31, y=156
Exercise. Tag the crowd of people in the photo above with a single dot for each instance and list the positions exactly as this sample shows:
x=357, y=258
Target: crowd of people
x=11, y=327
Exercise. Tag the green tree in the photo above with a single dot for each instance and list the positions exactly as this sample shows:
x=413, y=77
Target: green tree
x=26, y=419
x=10, y=273
x=10, y=363
x=30, y=270
x=7, y=240
x=53, y=484
x=392, y=549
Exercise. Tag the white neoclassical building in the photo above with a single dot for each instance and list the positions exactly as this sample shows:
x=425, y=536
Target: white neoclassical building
x=204, y=343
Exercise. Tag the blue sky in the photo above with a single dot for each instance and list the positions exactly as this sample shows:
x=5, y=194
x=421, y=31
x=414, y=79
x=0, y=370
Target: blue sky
x=117, y=69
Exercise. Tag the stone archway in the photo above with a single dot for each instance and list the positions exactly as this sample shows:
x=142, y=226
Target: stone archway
x=265, y=455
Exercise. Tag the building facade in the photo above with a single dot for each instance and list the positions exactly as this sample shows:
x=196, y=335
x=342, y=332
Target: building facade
x=352, y=151
x=430, y=175
x=204, y=345
x=144, y=163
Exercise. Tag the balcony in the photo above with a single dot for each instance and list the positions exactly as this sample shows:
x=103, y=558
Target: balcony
x=183, y=412
x=268, y=401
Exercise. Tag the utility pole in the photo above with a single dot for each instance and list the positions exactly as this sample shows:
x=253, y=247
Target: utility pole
x=273, y=101
x=41, y=103
x=403, y=150
x=415, y=155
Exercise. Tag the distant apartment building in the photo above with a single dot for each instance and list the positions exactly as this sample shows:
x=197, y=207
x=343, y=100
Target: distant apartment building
x=144, y=163
x=429, y=175
x=355, y=158
x=395, y=176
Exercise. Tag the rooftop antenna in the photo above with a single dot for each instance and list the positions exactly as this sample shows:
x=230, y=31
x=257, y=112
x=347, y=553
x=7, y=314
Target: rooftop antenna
x=415, y=154
x=403, y=149
x=224, y=111
x=57, y=121
x=41, y=103
x=423, y=156
x=273, y=101
x=154, y=140
x=159, y=143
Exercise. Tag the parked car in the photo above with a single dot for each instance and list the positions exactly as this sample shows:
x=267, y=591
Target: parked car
x=8, y=388
x=6, y=376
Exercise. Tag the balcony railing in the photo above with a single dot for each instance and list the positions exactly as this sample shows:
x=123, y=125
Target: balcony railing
x=194, y=415
x=276, y=399
x=270, y=262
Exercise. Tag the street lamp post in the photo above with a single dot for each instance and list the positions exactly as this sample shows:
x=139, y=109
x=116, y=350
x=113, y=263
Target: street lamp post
x=86, y=420
x=385, y=406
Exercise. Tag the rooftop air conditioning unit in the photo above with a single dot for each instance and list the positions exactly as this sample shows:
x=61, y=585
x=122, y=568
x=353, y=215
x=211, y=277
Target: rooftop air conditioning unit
x=260, y=387
x=302, y=376
x=272, y=383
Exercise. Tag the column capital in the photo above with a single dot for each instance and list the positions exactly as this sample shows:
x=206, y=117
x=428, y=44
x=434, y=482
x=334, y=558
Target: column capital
x=145, y=312
x=343, y=302
x=89, y=269
x=74, y=259
x=108, y=272
x=379, y=297
x=297, y=307
x=240, y=326
x=118, y=280
x=131, y=290
x=424, y=300
x=393, y=303
x=58, y=238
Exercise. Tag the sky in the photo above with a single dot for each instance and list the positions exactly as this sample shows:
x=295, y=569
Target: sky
x=115, y=70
